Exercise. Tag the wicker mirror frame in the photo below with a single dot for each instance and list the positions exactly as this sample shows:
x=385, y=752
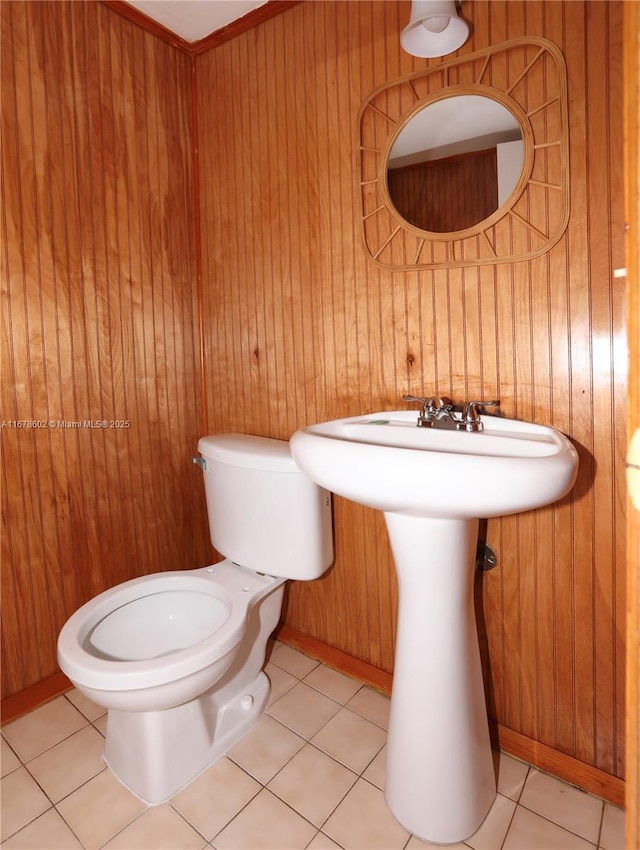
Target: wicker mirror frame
x=528, y=77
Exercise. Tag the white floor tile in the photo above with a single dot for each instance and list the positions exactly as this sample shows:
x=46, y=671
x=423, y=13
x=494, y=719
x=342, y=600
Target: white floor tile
x=377, y=770
x=266, y=749
x=266, y=824
x=212, y=800
x=363, y=821
x=323, y=842
x=511, y=775
x=101, y=725
x=335, y=685
x=563, y=804
x=8, y=759
x=90, y=709
x=612, y=833
x=350, y=739
x=69, y=764
x=40, y=729
x=529, y=831
x=293, y=661
x=22, y=801
x=158, y=828
x=47, y=831
x=494, y=828
x=313, y=784
x=280, y=680
x=100, y=809
x=371, y=705
x=304, y=710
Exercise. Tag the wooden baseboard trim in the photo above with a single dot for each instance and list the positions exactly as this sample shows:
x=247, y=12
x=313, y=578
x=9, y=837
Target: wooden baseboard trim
x=563, y=766
x=33, y=696
x=539, y=755
x=366, y=673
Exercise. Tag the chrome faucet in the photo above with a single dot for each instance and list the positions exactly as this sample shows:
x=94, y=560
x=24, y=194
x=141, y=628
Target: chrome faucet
x=435, y=412
x=439, y=412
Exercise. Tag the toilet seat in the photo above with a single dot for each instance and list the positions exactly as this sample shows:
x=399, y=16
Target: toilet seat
x=225, y=589
x=156, y=624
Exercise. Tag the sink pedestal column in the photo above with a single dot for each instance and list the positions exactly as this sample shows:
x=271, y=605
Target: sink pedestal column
x=440, y=775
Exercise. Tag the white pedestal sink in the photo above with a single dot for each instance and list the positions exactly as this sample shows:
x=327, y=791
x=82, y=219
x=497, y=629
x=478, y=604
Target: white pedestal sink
x=433, y=485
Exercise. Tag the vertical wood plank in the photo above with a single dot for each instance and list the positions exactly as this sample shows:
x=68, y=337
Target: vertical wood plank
x=98, y=320
x=631, y=34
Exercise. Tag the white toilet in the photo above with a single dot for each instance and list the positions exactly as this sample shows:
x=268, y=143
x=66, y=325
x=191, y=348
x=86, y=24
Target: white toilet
x=176, y=657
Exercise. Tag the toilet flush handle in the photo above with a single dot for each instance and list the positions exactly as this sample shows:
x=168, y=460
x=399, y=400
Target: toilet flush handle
x=200, y=461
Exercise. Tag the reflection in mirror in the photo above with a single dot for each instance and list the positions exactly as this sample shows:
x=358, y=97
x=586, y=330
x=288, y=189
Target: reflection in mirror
x=455, y=163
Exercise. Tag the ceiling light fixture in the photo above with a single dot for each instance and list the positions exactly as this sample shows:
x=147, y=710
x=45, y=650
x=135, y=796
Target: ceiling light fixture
x=434, y=29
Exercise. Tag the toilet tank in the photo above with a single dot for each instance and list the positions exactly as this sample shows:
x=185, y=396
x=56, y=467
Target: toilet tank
x=264, y=512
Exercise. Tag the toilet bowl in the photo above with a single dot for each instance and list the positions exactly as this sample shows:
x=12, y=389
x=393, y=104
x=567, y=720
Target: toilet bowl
x=177, y=657
x=157, y=641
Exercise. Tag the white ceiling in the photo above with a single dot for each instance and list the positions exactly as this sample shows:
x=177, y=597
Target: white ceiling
x=195, y=19
x=452, y=120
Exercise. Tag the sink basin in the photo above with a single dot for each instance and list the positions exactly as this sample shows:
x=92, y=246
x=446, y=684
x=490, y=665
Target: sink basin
x=433, y=485
x=384, y=461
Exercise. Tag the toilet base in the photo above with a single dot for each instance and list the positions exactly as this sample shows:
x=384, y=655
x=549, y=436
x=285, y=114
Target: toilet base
x=156, y=753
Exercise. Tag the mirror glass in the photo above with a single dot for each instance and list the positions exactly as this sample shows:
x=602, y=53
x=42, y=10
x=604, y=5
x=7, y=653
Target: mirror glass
x=455, y=163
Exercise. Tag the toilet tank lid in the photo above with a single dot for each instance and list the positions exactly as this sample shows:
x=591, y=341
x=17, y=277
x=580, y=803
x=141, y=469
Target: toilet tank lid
x=249, y=451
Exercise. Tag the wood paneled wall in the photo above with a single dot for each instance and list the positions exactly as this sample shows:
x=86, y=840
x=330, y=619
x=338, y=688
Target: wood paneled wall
x=448, y=194
x=301, y=327
x=99, y=319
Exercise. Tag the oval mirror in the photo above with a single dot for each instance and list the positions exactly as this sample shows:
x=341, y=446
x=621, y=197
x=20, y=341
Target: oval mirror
x=455, y=163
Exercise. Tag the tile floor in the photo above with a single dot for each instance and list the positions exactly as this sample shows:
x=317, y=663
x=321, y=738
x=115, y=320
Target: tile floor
x=309, y=775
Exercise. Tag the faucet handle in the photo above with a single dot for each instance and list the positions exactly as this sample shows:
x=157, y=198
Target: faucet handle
x=424, y=417
x=471, y=418
x=431, y=403
x=414, y=398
